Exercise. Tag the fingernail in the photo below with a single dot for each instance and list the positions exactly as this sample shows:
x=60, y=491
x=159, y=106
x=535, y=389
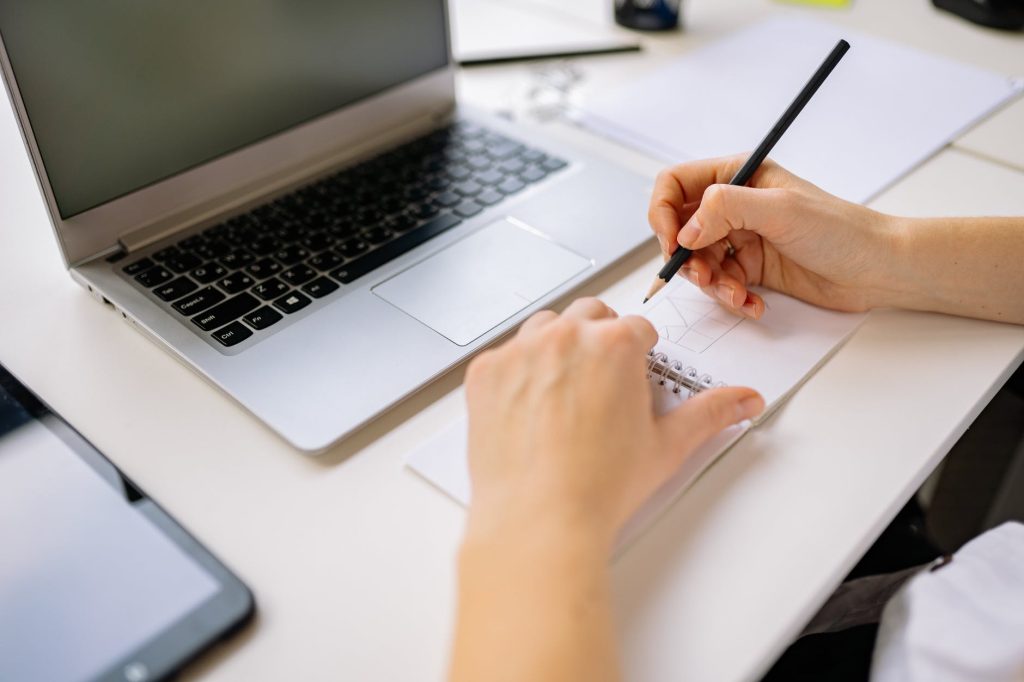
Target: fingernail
x=690, y=232
x=725, y=293
x=748, y=408
x=689, y=273
x=749, y=308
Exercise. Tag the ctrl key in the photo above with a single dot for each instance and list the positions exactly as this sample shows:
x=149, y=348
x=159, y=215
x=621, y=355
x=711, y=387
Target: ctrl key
x=234, y=333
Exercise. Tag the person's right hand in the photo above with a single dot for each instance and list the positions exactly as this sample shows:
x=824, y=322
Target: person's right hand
x=788, y=235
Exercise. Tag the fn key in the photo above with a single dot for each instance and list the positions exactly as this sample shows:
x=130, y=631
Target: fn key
x=236, y=332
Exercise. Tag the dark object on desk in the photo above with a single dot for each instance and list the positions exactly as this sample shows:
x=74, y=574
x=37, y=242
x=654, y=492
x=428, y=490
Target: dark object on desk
x=552, y=53
x=104, y=584
x=1007, y=15
x=647, y=15
x=744, y=174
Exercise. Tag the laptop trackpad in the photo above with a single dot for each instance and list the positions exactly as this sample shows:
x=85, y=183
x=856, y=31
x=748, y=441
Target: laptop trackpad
x=477, y=283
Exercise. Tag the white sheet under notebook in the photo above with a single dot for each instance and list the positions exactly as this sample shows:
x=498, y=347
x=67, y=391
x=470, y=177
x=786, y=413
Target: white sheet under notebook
x=884, y=110
x=488, y=30
x=774, y=355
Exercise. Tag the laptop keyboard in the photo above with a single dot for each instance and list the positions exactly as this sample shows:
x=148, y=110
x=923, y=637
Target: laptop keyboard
x=250, y=272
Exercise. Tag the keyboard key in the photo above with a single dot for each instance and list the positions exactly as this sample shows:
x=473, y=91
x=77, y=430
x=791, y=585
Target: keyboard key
x=512, y=165
x=212, y=250
x=209, y=272
x=297, y=274
x=291, y=255
x=199, y=301
x=352, y=248
x=292, y=302
x=262, y=318
x=553, y=164
x=182, y=262
x=328, y=260
x=504, y=150
x=459, y=172
x=239, y=281
x=263, y=268
x=468, y=208
x=229, y=310
x=320, y=287
x=533, y=174
x=511, y=186
x=479, y=162
x=396, y=247
x=153, y=276
x=447, y=199
x=468, y=188
x=489, y=177
x=272, y=288
x=165, y=254
x=489, y=197
x=232, y=334
x=175, y=289
x=237, y=259
x=138, y=266
x=377, y=235
x=318, y=241
x=532, y=155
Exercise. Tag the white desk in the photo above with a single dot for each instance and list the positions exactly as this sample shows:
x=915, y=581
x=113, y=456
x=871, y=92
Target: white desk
x=351, y=556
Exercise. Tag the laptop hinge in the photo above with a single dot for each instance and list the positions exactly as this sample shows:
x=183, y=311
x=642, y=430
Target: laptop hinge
x=253, y=194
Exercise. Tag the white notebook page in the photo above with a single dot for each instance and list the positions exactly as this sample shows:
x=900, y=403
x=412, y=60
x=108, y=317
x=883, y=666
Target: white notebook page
x=774, y=355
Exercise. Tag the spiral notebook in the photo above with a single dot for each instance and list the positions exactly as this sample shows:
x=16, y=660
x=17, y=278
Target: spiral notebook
x=700, y=345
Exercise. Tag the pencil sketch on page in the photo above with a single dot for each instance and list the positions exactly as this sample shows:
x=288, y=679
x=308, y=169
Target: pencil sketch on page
x=689, y=319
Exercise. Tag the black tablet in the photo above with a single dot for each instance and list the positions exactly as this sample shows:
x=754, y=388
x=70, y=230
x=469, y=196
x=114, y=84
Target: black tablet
x=97, y=582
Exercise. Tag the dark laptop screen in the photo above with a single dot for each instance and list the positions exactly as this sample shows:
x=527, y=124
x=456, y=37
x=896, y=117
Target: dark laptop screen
x=122, y=94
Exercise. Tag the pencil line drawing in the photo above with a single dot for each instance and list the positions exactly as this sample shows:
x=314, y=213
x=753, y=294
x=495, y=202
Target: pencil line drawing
x=687, y=318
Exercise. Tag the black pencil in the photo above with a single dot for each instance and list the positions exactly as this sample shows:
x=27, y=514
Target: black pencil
x=744, y=174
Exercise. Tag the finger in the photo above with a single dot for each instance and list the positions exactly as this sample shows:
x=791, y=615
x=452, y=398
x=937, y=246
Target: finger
x=537, y=320
x=589, y=309
x=678, y=190
x=688, y=426
x=643, y=329
x=753, y=307
x=727, y=289
x=726, y=208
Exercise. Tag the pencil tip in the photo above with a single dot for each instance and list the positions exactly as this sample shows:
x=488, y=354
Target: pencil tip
x=646, y=300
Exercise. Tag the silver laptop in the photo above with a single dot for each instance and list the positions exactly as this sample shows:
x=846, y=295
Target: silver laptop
x=287, y=198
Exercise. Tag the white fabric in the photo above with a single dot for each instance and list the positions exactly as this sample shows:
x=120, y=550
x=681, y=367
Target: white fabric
x=963, y=621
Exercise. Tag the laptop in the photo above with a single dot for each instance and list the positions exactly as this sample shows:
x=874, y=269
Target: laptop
x=287, y=198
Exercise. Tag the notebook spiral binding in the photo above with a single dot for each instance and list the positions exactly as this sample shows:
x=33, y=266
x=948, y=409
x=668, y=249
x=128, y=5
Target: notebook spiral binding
x=672, y=372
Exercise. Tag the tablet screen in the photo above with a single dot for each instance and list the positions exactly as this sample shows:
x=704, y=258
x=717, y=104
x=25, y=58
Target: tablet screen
x=88, y=574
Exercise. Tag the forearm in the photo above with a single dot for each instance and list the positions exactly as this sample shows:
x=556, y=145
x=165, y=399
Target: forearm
x=533, y=606
x=962, y=266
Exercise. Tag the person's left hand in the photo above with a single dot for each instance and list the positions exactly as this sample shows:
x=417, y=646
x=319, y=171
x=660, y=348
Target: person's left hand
x=562, y=430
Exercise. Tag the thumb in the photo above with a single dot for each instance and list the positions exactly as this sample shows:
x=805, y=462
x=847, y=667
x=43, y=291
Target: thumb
x=725, y=208
x=688, y=426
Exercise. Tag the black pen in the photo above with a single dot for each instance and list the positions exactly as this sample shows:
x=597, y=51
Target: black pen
x=744, y=174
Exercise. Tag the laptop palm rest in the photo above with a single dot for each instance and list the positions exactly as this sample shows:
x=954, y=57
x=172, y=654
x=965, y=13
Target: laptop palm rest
x=472, y=286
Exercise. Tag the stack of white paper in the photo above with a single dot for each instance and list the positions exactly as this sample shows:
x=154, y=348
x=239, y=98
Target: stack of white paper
x=884, y=110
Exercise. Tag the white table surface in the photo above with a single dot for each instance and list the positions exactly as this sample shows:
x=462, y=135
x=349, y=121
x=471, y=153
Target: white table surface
x=351, y=556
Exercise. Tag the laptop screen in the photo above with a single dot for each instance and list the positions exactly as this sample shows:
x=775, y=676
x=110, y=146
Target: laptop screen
x=123, y=94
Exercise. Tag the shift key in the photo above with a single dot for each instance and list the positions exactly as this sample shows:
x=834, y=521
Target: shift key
x=229, y=310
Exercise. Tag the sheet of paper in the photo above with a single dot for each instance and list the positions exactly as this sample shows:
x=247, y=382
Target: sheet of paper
x=492, y=30
x=774, y=355
x=884, y=110
x=442, y=461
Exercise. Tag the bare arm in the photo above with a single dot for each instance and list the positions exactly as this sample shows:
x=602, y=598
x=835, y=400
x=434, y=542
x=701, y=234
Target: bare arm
x=962, y=266
x=563, y=446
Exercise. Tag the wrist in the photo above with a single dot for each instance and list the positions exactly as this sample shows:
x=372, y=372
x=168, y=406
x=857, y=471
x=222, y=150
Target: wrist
x=536, y=530
x=889, y=286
